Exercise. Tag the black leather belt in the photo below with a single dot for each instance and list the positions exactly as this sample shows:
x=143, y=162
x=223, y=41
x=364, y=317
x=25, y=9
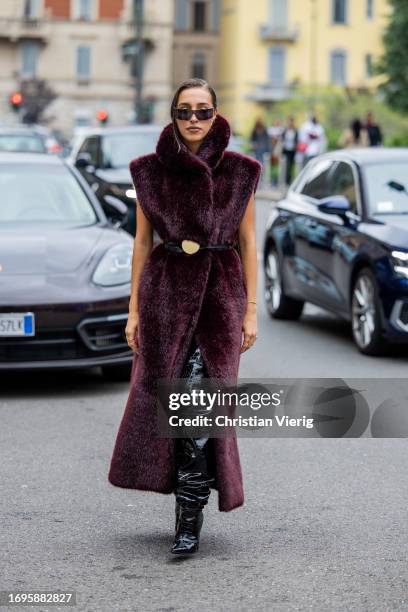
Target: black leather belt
x=190, y=246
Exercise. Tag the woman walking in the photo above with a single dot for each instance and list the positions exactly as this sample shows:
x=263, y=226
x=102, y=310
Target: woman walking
x=290, y=138
x=193, y=296
x=260, y=141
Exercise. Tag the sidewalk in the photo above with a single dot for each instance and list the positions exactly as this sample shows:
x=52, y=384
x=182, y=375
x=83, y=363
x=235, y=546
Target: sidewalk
x=267, y=192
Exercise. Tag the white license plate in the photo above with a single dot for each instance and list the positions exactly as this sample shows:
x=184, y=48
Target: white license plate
x=17, y=324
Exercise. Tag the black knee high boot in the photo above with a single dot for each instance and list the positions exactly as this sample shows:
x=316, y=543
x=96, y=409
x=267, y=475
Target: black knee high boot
x=193, y=490
x=195, y=473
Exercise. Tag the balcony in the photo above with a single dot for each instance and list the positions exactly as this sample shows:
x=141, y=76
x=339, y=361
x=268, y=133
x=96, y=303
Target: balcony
x=269, y=92
x=14, y=30
x=270, y=32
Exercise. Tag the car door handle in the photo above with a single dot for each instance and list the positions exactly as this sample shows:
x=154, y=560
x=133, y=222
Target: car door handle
x=312, y=223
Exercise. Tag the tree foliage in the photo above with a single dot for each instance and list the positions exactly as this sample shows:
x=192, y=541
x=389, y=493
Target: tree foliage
x=394, y=62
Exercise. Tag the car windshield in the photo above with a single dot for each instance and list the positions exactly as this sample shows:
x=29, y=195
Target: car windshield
x=387, y=188
x=118, y=149
x=46, y=193
x=21, y=143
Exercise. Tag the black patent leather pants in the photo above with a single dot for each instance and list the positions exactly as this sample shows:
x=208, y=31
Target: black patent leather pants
x=194, y=456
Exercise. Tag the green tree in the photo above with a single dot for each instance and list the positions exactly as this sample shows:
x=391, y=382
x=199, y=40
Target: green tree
x=394, y=62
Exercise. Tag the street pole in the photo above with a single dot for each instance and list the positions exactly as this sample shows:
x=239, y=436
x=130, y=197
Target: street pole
x=138, y=58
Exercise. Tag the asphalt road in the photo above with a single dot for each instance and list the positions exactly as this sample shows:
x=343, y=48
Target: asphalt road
x=323, y=527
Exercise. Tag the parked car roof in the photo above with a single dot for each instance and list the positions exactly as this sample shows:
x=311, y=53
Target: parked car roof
x=29, y=158
x=23, y=128
x=369, y=155
x=118, y=129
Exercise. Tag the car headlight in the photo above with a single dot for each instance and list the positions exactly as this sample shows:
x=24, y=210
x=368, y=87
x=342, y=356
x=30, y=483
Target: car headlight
x=400, y=262
x=115, y=267
x=131, y=194
x=124, y=192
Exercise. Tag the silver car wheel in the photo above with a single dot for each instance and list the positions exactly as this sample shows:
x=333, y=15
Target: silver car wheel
x=363, y=311
x=273, y=287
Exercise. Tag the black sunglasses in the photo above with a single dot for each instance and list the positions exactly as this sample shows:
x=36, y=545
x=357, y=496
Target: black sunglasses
x=186, y=113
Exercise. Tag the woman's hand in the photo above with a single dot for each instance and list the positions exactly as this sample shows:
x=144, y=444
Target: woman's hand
x=250, y=328
x=132, y=330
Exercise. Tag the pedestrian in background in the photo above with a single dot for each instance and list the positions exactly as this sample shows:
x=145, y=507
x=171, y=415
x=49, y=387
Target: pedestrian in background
x=312, y=139
x=375, y=135
x=354, y=136
x=290, y=138
x=260, y=141
x=275, y=135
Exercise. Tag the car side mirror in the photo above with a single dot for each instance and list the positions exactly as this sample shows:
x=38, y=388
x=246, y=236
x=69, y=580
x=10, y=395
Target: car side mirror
x=84, y=160
x=115, y=210
x=334, y=205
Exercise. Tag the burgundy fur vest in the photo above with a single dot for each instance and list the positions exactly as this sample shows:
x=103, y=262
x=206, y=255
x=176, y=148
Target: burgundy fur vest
x=200, y=197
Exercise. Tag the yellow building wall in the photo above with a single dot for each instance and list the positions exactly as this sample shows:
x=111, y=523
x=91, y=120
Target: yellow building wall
x=244, y=55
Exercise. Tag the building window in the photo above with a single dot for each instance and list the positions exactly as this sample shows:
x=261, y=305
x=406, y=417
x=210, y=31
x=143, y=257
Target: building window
x=338, y=68
x=369, y=67
x=216, y=8
x=370, y=9
x=277, y=66
x=83, y=63
x=181, y=19
x=31, y=9
x=278, y=14
x=199, y=16
x=29, y=59
x=83, y=9
x=339, y=11
x=198, y=66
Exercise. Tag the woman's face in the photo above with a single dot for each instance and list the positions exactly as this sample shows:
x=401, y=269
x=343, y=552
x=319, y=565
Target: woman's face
x=194, y=130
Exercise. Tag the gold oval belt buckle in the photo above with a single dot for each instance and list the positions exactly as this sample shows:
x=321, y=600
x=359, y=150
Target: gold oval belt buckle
x=190, y=246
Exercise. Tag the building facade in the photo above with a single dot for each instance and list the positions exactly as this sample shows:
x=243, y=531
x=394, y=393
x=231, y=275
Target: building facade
x=254, y=52
x=271, y=46
x=82, y=48
x=196, y=40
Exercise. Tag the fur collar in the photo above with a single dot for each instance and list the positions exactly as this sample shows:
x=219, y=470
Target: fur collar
x=208, y=155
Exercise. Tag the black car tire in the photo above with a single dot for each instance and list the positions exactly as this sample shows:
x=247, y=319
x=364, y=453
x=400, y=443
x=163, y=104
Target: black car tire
x=117, y=373
x=279, y=305
x=366, y=285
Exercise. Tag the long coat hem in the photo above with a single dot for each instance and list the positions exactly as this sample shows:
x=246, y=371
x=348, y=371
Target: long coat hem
x=149, y=488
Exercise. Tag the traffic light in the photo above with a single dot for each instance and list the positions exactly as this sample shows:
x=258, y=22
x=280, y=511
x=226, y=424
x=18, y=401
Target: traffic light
x=16, y=101
x=103, y=116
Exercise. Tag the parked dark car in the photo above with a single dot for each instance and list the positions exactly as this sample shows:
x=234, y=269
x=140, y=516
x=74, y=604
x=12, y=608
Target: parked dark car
x=102, y=155
x=339, y=239
x=65, y=270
